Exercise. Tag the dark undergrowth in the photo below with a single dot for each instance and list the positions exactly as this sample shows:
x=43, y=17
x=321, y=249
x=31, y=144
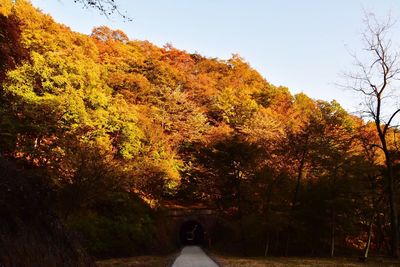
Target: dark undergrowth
x=30, y=233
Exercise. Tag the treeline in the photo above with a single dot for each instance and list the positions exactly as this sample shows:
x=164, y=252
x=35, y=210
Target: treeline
x=117, y=126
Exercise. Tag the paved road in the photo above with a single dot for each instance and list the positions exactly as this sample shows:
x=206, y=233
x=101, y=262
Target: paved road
x=193, y=256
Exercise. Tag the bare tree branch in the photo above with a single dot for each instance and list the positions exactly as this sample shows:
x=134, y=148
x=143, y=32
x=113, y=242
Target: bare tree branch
x=105, y=7
x=375, y=82
x=387, y=125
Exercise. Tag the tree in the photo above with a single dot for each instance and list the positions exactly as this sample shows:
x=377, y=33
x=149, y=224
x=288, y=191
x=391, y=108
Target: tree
x=12, y=53
x=105, y=7
x=375, y=79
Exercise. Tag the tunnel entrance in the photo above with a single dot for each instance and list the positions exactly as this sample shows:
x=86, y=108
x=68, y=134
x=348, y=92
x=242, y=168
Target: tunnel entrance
x=191, y=233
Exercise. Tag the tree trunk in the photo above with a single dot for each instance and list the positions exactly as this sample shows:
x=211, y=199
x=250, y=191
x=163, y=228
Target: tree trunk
x=296, y=195
x=268, y=205
x=366, y=250
x=299, y=178
x=393, y=213
x=333, y=218
x=333, y=236
x=380, y=242
x=266, y=246
x=240, y=211
x=394, y=224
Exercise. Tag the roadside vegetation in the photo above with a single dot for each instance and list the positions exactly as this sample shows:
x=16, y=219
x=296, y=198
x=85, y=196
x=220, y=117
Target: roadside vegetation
x=301, y=262
x=141, y=261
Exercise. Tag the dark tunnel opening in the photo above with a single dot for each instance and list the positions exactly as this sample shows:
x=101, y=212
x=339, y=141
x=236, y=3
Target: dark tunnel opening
x=191, y=233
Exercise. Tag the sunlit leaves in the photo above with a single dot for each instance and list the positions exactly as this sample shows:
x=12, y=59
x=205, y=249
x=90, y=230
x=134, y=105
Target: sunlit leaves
x=102, y=112
x=234, y=106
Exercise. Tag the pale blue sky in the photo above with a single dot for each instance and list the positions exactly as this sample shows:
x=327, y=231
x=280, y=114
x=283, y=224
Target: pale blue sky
x=299, y=44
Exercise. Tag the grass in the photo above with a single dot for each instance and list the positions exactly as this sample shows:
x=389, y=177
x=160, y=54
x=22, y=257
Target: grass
x=228, y=261
x=141, y=261
x=225, y=261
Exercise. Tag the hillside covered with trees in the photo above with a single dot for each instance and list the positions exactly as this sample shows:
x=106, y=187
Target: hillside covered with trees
x=100, y=130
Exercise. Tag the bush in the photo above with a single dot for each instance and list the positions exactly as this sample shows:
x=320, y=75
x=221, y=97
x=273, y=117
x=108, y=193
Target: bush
x=120, y=225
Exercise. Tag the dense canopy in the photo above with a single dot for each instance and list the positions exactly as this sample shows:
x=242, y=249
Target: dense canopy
x=118, y=126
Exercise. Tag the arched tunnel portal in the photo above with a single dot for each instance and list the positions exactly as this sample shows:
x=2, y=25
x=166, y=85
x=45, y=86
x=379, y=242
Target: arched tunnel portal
x=192, y=225
x=191, y=232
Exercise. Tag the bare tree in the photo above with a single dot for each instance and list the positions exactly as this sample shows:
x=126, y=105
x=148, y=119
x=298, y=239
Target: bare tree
x=105, y=7
x=376, y=79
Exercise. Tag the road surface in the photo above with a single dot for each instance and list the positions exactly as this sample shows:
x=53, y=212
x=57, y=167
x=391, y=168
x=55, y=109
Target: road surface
x=193, y=256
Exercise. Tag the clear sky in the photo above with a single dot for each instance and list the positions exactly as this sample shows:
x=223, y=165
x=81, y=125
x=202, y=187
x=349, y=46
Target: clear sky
x=299, y=44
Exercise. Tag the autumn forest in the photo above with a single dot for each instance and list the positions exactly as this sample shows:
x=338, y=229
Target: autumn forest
x=98, y=133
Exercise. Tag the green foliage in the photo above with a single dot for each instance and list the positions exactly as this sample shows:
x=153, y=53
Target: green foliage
x=234, y=106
